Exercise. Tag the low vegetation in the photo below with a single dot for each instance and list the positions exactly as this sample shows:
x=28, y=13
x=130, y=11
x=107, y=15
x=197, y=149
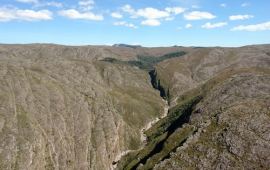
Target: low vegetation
x=146, y=62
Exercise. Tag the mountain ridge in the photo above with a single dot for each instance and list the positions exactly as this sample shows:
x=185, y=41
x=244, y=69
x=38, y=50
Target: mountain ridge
x=62, y=107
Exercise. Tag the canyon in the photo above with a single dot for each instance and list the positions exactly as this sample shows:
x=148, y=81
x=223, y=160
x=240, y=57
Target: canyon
x=132, y=107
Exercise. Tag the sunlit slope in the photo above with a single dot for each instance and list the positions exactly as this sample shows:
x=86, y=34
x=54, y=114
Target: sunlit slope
x=219, y=115
x=229, y=127
x=181, y=74
x=61, y=109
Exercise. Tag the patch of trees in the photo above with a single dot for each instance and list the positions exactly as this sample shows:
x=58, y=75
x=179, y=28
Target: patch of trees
x=146, y=62
x=176, y=118
x=155, y=60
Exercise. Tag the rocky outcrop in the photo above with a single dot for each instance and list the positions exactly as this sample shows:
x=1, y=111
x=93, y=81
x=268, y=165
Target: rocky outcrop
x=60, y=108
x=236, y=129
x=182, y=74
x=227, y=128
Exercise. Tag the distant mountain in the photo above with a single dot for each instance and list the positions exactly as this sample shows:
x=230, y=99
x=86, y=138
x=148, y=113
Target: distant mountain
x=125, y=45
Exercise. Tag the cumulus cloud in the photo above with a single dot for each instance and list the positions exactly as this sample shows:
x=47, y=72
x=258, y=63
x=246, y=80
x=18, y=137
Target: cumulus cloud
x=175, y=10
x=116, y=15
x=128, y=9
x=86, y=3
x=151, y=22
x=151, y=13
x=245, y=4
x=188, y=26
x=125, y=24
x=239, y=17
x=73, y=14
x=223, y=5
x=257, y=27
x=8, y=14
x=197, y=15
x=209, y=25
x=31, y=15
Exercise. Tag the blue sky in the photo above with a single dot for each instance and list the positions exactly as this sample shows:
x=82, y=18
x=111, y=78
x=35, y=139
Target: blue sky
x=149, y=23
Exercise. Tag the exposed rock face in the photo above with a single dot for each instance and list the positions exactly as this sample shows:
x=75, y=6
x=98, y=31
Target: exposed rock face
x=68, y=111
x=228, y=128
x=185, y=73
x=62, y=108
x=233, y=128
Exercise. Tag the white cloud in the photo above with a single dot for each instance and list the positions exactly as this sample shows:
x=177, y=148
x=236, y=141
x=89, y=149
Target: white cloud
x=179, y=28
x=258, y=27
x=31, y=15
x=239, y=17
x=27, y=15
x=245, y=4
x=28, y=1
x=188, y=26
x=148, y=13
x=175, y=10
x=223, y=5
x=7, y=14
x=73, y=14
x=151, y=13
x=128, y=9
x=85, y=3
x=197, y=15
x=151, y=22
x=209, y=25
x=125, y=24
x=195, y=6
x=116, y=15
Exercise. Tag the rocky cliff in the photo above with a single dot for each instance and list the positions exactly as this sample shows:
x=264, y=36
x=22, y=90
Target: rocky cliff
x=219, y=112
x=63, y=107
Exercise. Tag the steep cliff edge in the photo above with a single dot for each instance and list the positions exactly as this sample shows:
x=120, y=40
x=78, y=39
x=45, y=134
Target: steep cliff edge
x=219, y=115
x=65, y=110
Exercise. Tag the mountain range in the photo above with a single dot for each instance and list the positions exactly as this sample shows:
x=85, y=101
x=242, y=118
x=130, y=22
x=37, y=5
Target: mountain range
x=132, y=107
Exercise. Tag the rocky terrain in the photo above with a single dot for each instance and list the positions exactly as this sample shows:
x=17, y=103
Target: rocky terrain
x=64, y=107
x=232, y=128
x=219, y=113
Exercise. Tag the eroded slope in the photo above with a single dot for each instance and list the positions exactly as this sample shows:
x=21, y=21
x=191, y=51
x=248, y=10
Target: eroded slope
x=182, y=74
x=69, y=111
x=232, y=128
x=219, y=115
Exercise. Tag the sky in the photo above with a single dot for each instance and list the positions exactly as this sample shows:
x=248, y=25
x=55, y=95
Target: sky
x=150, y=23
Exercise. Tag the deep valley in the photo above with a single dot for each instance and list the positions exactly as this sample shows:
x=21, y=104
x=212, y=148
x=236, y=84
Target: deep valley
x=132, y=107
